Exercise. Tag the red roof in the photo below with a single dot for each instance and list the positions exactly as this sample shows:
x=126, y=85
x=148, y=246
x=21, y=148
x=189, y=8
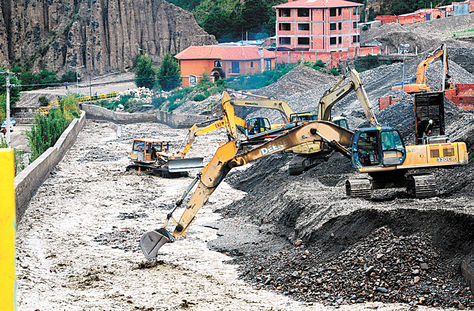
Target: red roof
x=223, y=52
x=317, y=4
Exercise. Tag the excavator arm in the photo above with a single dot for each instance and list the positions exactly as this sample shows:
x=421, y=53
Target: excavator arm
x=337, y=92
x=266, y=103
x=229, y=120
x=421, y=84
x=226, y=158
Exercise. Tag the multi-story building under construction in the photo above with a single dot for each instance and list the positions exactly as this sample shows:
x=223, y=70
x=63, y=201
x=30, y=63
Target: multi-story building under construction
x=318, y=25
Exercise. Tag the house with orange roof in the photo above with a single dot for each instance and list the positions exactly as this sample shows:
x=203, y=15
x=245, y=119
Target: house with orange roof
x=220, y=61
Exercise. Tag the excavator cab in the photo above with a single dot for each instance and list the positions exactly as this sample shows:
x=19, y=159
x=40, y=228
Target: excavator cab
x=256, y=126
x=303, y=116
x=380, y=146
x=145, y=150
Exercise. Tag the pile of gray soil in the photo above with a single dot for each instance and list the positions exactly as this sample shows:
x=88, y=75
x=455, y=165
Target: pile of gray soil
x=300, y=235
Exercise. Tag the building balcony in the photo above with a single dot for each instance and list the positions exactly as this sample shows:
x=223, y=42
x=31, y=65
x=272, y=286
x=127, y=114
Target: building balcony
x=303, y=33
x=285, y=32
x=285, y=18
x=303, y=18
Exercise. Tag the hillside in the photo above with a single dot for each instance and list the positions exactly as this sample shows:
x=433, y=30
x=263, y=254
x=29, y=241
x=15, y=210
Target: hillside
x=103, y=36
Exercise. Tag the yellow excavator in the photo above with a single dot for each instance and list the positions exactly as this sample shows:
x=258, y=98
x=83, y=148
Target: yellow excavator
x=309, y=155
x=378, y=151
x=152, y=156
x=419, y=83
x=265, y=102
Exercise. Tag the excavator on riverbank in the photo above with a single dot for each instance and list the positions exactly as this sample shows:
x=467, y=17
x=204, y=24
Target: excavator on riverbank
x=378, y=151
x=419, y=83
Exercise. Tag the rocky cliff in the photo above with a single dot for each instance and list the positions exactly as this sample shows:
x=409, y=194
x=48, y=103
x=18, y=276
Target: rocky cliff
x=101, y=35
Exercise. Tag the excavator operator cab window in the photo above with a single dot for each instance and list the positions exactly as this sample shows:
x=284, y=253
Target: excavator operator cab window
x=342, y=123
x=303, y=117
x=138, y=146
x=367, y=148
x=393, y=150
x=257, y=125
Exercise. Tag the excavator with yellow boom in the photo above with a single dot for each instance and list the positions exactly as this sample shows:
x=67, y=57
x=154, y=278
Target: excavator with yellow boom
x=378, y=151
x=310, y=155
x=419, y=83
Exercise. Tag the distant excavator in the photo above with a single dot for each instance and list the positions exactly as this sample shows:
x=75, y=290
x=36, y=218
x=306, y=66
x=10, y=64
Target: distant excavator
x=378, y=151
x=152, y=155
x=419, y=83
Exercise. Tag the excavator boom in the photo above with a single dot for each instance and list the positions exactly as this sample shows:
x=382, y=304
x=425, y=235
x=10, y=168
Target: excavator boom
x=265, y=103
x=226, y=158
x=336, y=93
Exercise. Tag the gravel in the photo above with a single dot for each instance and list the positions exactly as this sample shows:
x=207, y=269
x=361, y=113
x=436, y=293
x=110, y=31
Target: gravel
x=382, y=267
x=391, y=249
x=425, y=35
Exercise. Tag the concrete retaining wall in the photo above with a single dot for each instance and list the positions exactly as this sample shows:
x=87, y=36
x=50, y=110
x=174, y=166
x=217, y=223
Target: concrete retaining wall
x=31, y=178
x=170, y=119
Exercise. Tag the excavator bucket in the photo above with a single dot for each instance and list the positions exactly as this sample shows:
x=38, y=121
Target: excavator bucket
x=184, y=165
x=151, y=242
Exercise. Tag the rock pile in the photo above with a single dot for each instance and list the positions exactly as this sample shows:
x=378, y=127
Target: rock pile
x=382, y=267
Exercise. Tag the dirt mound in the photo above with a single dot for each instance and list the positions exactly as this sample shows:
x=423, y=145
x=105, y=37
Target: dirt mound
x=424, y=35
x=391, y=249
x=404, y=256
x=298, y=80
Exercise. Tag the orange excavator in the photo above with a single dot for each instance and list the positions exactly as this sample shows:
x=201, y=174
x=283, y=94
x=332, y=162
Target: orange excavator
x=419, y=83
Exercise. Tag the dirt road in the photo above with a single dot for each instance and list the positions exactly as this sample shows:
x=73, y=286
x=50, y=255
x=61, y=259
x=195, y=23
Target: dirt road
x=77, y=242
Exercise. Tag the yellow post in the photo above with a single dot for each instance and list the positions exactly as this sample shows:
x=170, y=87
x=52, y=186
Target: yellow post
x=7, y=230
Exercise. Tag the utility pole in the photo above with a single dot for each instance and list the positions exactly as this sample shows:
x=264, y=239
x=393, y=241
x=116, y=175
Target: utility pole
x=8, y=86
x=404, y=48
x=77, y=75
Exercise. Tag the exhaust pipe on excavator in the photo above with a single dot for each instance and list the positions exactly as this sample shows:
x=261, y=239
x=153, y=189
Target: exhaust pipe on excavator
x=152, y=241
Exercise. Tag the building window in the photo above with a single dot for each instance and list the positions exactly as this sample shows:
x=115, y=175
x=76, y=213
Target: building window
x=285, y=40
x=354, y=25
x=332, y=26
x=217, y=64
x=303, y=12
x=284, y=12
x=340, y=11
x=339, y=26
x=355, y=10
x=332, y=40
x=303, y=41
x=235, y=67
x=355, y=39
x=303, y=27
x=251, y=64
x=192, y=80
x=268, y=64
x=332, y=12
x=284, y=26
x=340, y=40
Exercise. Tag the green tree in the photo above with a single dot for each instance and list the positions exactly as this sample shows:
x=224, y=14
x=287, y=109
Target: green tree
x=29, y=81
x=47, y=78
x=70, y=76
x=43, y=101
x=169, y=74
x=3, y=106
x=145, y=74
